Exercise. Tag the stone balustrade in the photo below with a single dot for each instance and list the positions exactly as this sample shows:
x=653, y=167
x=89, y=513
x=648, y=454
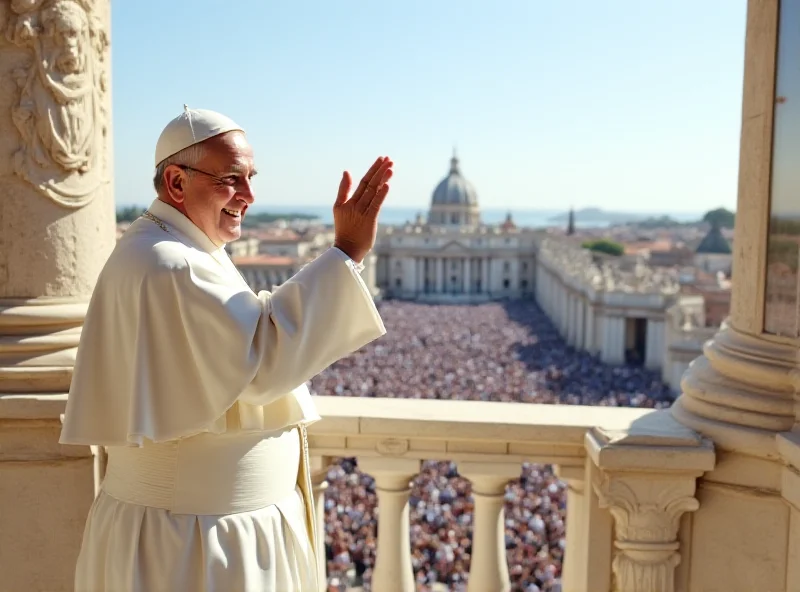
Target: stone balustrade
x=630, y=472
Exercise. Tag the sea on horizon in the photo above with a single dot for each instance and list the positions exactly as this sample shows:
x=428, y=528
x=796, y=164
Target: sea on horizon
x=521, y=217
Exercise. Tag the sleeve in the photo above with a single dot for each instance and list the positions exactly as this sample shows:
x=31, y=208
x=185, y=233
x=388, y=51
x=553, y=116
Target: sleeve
x=359, y=267
x=320, y=315
x=169, y=356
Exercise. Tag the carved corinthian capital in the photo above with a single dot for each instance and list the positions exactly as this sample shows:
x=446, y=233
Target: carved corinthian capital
x=646, y=479
x=647, y=510
x=62, y=111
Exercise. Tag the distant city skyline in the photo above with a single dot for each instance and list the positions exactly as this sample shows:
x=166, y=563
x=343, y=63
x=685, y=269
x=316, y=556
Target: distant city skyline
x=549, y=106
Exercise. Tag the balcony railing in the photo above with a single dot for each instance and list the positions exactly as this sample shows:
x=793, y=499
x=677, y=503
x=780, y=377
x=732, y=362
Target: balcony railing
x=641, y=466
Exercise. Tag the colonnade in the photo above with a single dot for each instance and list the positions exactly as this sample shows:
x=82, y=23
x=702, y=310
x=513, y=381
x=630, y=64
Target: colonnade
x=587, y=322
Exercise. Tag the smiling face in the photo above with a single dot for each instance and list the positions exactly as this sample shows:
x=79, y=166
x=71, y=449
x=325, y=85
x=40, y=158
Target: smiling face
x=215, y=192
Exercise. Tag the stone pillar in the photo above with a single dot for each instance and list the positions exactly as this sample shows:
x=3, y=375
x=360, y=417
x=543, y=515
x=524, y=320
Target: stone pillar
x=647, y=478
x=489, y=280
x=580, y=338
x=489, y=566
x=742, y=392
x=439, y=275
x=561, y=303
x=613, y=351
x=409, y=275
x=393, y=571
x=572, y=318
x=590, y=333
x=541, y=287
x=467, y=276
x=57, y=228
x=654, y=347
x=420, y=274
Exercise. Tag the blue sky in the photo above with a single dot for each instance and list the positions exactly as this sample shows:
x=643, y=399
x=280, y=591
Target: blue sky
x=621, y=104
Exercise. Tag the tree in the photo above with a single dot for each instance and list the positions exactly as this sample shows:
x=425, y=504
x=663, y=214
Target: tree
x=129, y=213
x=606, y=246
x=720, y=218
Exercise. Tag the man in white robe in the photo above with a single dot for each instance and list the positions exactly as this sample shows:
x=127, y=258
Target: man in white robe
x=196, y=385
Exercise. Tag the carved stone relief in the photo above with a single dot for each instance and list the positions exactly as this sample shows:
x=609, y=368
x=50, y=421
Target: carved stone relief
x=647, y=513
x=62, y=116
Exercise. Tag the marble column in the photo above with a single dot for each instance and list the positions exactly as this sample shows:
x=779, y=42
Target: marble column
x=439, y=275
x=590, y=338
x=654, y=347
x=567, y=306
x=743, y=392
x=467, y=276
x=613, y=351
x=489, y=566
x=571, y=317
x=580, y=337
x=393, y=571
x=57, y=228
x=409, y=275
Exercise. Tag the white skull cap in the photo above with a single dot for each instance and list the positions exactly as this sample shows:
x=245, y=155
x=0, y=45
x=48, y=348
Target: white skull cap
x=192, y=127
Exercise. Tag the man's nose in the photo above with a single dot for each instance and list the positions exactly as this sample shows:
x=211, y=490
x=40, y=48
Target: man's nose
x=246, y=193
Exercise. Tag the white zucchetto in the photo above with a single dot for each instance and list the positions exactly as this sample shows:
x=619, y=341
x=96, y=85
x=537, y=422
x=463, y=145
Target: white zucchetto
x=192, y=127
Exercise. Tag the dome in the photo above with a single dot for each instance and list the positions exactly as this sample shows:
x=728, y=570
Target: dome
x=454, y=189
x=714, y=243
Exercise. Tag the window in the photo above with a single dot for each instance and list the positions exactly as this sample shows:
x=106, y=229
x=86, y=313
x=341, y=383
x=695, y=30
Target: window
x=524, y=284
x=398, y=283
x=506, y=266
x=506, y=284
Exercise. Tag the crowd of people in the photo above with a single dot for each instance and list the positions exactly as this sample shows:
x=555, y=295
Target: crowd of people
x=498, y=351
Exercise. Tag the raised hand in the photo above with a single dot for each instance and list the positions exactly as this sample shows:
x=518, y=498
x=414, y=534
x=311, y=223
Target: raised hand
x=355, y=219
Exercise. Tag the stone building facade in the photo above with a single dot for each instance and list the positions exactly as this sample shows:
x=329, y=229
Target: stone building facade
x=452, y=256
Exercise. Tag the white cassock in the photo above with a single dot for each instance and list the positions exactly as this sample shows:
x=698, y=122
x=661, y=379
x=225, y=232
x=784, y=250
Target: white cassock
x=196, y=386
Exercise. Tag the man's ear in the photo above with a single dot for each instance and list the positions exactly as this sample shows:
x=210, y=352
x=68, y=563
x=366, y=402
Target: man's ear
x=174, y=182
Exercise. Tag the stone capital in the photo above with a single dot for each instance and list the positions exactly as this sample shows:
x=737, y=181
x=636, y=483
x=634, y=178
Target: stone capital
x=647, y=479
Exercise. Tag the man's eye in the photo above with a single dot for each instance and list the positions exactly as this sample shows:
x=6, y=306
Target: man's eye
x=230, y=180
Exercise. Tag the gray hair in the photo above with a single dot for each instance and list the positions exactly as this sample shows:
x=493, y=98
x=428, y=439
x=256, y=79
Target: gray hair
x=188, y=156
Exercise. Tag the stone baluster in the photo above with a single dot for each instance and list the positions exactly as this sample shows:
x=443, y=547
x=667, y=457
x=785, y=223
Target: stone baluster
x=574, y=558
x=393, y=571
x=489, y=566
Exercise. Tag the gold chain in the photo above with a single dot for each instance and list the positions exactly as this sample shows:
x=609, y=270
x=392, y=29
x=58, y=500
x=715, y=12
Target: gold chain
x=147, y=214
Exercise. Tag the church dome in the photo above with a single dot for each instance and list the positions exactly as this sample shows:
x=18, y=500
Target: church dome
x=454, y=189
x=714, y=243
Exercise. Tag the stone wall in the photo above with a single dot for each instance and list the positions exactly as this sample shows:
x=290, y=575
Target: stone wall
x=56, y=232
